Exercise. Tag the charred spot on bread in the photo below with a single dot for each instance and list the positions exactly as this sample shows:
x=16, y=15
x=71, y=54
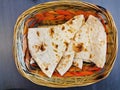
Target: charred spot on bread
x=36, y=48
x=73, y=18
x=78, y=48
x=90, y=55
x=58, y=57
x=51, y=32
x=63, y=27
x=91, y=29
x=46, y=68
x=70, y=30
x=54, y=50
x=45, y=44
x=54, y=45
x=85, y=50
x=42, y=47
x=38, y=33
x=66, y=44
x=46, y=65
x=68, y=56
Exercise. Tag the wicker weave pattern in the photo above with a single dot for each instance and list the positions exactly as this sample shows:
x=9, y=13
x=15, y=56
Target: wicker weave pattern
x=112, y=45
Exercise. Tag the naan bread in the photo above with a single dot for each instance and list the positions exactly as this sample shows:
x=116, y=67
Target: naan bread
x=71, y=28
x=90, y=43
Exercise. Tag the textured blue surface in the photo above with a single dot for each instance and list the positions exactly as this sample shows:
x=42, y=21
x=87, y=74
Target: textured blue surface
x=9, y=76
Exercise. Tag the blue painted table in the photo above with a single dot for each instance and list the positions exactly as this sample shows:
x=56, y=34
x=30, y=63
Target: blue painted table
x=9, y=76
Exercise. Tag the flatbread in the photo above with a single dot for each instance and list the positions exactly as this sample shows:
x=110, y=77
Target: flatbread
x=71, y=28
x=57, y=47
x=98, y=41
x=45, y=49
x=66, y=61
x=90, y=43
x=81, y=46
x=48, y=44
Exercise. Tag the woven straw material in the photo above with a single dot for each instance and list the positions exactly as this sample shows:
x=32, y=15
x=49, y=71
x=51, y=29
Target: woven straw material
x=62, y=82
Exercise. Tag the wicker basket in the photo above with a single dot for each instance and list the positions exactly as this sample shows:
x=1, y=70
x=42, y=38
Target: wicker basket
x=112, y=46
